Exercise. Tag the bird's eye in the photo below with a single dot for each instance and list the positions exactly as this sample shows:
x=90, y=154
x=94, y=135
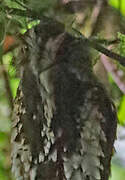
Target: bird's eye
x=24, y=49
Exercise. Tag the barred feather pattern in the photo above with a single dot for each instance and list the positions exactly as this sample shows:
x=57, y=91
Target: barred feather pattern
x=64, y=122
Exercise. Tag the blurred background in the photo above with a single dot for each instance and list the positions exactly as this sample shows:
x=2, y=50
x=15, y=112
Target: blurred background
x=102, y=19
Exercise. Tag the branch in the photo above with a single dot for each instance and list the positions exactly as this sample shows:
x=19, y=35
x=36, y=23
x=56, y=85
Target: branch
x=100, y=48
x=107, y=42
x=92, y=43
x=7, y=86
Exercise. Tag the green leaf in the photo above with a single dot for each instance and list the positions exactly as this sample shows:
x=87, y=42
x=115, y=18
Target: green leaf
x=121, y=111
x=7, y=58
x=118, y=4
x=121, y=46
x=14, y=83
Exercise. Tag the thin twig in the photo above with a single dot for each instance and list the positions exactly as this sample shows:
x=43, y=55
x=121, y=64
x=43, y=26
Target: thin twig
x=21, y=4
x=106, y=41
x=100, y=48
x=7, y=85
x=92, y=43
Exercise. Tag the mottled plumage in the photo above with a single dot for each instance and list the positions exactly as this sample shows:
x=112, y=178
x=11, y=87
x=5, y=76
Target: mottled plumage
x=64, y=122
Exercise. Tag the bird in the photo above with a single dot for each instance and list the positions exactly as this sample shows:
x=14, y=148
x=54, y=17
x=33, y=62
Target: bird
x=64, y=122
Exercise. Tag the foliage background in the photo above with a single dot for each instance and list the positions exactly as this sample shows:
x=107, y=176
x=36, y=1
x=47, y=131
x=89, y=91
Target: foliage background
x=118, y=162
